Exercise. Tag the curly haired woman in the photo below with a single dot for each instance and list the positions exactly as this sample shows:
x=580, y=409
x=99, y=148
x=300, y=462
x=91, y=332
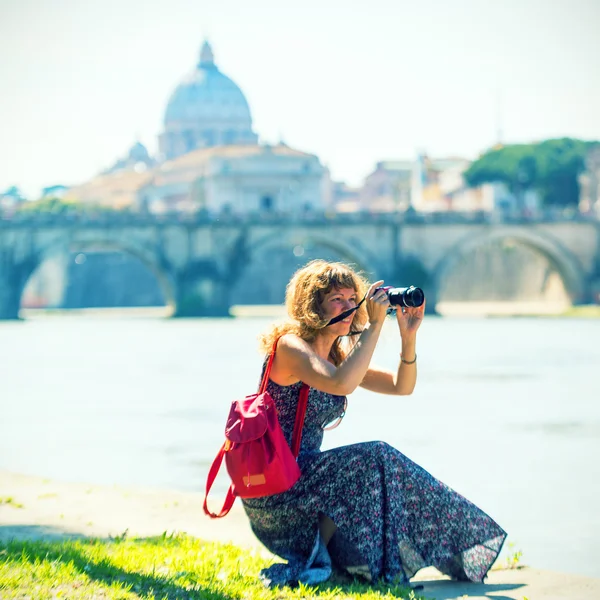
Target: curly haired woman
x=364, y=508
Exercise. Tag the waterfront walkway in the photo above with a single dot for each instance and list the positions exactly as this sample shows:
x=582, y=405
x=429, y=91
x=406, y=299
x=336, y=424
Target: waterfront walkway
x=34, y=508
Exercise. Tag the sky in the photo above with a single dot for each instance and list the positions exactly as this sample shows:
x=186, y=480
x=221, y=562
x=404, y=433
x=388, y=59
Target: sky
x=352, y=82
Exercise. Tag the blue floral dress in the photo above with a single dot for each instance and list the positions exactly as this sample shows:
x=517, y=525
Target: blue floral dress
x=393, y=518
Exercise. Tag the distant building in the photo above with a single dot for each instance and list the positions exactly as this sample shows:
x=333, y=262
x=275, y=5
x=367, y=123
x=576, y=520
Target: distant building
x=435, y=181
x=388, y=187
x=424, y=184
x=343, y=197
x=428, y=185
x=237, y=179
x=210, y=159
x=116, y=189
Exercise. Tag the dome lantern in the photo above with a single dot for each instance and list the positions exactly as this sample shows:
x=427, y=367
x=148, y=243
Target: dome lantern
x=207, y=57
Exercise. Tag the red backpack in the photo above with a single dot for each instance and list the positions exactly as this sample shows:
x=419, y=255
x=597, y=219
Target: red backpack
x=257, y=456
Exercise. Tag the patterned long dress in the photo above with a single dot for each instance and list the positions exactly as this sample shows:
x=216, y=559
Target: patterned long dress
x=393, y=518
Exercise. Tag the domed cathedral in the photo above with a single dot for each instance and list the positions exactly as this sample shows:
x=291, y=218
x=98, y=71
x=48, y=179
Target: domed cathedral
x=206, y=109
x=209, y=162
x=210, y=159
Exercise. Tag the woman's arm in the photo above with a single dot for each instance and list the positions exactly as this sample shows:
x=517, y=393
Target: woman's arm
x=401, y=383
x=297, y=360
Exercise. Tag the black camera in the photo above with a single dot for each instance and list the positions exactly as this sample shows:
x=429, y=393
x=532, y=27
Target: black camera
x=407, y=296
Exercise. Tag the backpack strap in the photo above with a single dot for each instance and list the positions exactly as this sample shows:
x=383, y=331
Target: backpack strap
x=300, y=410
x=265, y=380
x=212, y=474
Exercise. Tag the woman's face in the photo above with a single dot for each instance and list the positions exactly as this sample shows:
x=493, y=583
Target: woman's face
x=336, y=302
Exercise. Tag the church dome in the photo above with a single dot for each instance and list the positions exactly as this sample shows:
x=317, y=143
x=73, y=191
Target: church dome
x=139, y=152
x=206, y=109
x=206, y=94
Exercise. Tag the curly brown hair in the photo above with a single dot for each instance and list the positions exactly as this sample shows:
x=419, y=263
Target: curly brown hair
x=304, y=297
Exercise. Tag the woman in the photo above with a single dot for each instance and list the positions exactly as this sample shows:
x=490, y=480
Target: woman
x=366, y=508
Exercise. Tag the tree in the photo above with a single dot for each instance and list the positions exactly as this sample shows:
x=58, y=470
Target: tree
x=560, y=164
x=551, y=167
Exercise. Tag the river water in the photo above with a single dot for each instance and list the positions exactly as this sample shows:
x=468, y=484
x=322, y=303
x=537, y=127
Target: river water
x=506, y=411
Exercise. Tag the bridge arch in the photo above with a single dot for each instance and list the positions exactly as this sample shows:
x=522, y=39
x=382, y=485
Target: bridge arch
x=347, y=253
x=147, y=256
x=285, y=254
x=566, y=264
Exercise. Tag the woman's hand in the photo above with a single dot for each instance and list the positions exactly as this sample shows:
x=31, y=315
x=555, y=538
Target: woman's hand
x=377, y=303
x=409, y=320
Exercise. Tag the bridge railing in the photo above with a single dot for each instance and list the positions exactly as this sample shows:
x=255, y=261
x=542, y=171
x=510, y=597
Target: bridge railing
x=10, y=220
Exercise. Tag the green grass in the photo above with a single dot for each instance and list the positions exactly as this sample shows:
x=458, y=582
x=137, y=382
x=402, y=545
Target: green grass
x=585, y=311
x=513, y=558
x=160, y=568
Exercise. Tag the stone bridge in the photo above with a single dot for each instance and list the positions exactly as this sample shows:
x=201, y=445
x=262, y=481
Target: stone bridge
x=198, y=262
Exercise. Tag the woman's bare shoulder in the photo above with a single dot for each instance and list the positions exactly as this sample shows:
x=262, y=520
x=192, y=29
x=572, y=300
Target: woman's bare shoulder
x=292, y=352
x=291, y=349
x=292, y=342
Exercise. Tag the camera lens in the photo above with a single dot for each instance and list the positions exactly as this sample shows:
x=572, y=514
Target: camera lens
x=407, y=296
x=414, y=297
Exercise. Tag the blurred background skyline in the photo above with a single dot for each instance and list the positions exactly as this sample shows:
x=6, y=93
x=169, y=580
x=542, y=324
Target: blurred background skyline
x=353, y=85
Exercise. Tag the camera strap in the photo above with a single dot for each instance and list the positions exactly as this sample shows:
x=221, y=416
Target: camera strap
x=346, y=314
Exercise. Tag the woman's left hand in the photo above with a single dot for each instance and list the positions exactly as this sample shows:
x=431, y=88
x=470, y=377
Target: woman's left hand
x=409, y=319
